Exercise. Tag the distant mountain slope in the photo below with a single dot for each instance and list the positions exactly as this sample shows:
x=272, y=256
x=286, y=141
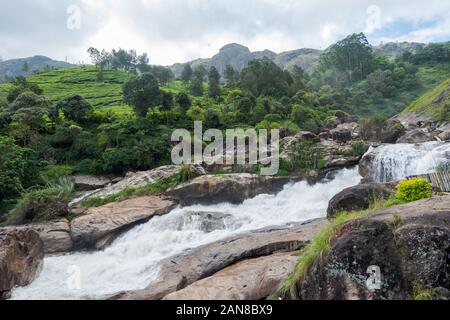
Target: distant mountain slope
x=434, y=105
x=14, y=68
x=394, y=49
x=239, y=56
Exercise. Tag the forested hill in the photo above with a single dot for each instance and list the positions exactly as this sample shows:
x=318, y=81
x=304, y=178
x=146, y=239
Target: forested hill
x=10, y=69
x=118, y=115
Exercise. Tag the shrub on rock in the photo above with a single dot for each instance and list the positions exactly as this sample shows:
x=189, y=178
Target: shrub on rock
x=413, y=190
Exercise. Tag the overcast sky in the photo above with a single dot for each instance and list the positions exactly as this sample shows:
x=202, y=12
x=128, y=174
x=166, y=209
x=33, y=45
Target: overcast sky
x=180, y=30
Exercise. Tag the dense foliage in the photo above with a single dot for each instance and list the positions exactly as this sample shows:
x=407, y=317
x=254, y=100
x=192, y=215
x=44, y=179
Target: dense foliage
x=118, y=115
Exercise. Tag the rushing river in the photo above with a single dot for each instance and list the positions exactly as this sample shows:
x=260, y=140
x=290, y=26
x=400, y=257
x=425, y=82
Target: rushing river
x=131, y=262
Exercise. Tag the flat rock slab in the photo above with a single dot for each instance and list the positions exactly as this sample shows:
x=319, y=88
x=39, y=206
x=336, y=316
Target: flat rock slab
x=55, y=235
x=253, y=279
x=184, y=269
x=90, y=182
x=100, y=226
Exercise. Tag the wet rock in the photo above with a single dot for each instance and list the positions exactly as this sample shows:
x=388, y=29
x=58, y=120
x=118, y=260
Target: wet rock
x=182, y=270
x=415, y=136
x=21, y=258
x=358, y=197
x=100, y=226
x=55, y=235
x=232, y=188
x=343, y=273
x=410, y=245
x=84, y=183
x=253, y=279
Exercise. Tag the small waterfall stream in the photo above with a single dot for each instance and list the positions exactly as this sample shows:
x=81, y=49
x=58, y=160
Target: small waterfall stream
x=399, y=161
x=131, y=262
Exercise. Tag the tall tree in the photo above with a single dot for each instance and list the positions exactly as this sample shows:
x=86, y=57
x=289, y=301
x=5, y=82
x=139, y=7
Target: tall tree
x=214, y=82
x=230, y=74
x=187, y=73
x=183, y=100
x=352, y=56
x=197, y=82
x=142, y=92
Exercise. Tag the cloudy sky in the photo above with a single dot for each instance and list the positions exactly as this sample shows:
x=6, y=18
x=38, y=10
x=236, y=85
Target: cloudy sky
x=181, y=30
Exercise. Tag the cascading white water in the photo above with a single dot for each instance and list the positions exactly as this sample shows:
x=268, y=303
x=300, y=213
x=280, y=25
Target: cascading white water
x=399, y=161
x=131, y=262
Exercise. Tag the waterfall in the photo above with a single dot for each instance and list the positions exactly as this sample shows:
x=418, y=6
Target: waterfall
x=131, y=262
x=399, y=161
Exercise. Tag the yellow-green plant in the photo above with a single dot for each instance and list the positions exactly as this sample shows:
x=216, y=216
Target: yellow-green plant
x=413, y=190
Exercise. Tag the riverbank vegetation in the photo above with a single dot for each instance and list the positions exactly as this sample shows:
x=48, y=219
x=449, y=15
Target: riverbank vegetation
x=118, y=115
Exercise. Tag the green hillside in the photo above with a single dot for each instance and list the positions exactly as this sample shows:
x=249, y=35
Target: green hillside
x=83, y=81
x=435, y=103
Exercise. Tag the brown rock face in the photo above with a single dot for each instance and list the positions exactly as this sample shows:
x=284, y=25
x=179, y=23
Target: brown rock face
x=253, y=279
x=55, y=235
x=415, y=136
x=182, y=270
x=100, y=226
x=21, y=256
x=233, y=188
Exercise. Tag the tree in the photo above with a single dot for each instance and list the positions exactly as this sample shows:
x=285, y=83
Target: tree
x=27, y=114
x=197, y=82
x=163, y=74
x=187, y=73
x=230, y=74
x=353, y=56
x=74, y=108
x=21, y=85
x=214, y=82
x=143, y=63
x=142, y=92
x=19, y=169
x=166, y=101
x=264, y=77
x=183, y=100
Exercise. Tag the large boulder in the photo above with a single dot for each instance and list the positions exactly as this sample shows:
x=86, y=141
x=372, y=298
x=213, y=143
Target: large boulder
x=100, y=226
x=396, y=248
x=253, y=279
x=232, y=188
x=415, y=136
x=358, y=197
x=21, y=258
x=55, y=235
x=341, y=135
x=180, y=271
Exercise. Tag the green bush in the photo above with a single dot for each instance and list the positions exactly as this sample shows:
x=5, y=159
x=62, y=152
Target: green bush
x=413, y=190
x=44, y=204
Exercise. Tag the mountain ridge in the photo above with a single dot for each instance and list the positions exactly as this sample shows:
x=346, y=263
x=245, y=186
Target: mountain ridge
x=13, y=68
x=238, y=56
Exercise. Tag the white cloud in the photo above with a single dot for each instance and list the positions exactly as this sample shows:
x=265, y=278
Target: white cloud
x=180, y=30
